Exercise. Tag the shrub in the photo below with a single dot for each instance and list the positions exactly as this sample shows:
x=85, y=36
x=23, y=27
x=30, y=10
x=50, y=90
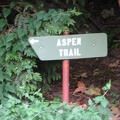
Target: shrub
x=37, y=109
x=18, y=22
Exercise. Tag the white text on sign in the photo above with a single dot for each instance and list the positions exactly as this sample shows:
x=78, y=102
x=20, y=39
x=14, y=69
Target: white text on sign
x=69, y=42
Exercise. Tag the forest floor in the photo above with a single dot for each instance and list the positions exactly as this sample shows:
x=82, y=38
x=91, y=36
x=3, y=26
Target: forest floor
x=92, y=71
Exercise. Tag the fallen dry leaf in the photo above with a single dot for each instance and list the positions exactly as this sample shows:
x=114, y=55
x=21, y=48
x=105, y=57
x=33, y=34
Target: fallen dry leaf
x=115, y=111
x=93, y=90
x=115, y=64
x=72, y=105
x=80, y=87
x=97, y=91
x=80, y=84
x=83, y=75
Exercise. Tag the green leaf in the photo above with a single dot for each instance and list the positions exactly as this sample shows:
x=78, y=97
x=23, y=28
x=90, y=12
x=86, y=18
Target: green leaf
x=9, y=88
x=1, y=76
x=98, y=99
x=11, y=37
x=59, y=117
x=87, y=116
x=95, y=117
x=30, y=52
x=102, y=100
x=57, y=18
x=2, y=51
x=52, y=12
x=12, y=4
x=7, y=77
x=104, y=88
x=21, y=32
x=90, y=102
x=40, y=15
x=17, y=47
x=70, y=22
x=107, y=86
x=3, y=22
x=46, y=17
x=6, y=12
x=49, y=117
x=31, y=98
x=37, y=24
x=8, y=45
x=31, y=28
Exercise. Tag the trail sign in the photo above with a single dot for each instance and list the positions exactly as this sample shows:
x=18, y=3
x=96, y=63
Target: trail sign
x=70, y=46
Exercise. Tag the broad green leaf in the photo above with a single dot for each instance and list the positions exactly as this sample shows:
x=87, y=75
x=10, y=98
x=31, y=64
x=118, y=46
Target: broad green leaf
x=11, y=37
x=21, y=32
x=30, y=52
x=31, y=28
x=2, y=51
x=59, y=117
x=17, y=47
x=1, y=94
x=7, y=77
x=6, y=12
x=107, y=86
x=102, y=100
x=87, y=116
x=95, y=117
x=49, y=117
x=9, y=88
x=1, y=76
x=12, y=4
x=46, y=17
x=1, y=88
x=37, y=24
x=57, y=18
x=40, y=15
x=104, y=88
x=1, y=42
x=70, y=22
x=31, y=98
x=52, y=12
x=98, y=99
x=3, y=22
x=90, y=102
x=8, y=45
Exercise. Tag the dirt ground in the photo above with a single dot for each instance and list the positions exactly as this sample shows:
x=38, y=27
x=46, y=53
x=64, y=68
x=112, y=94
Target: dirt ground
x=96, y=71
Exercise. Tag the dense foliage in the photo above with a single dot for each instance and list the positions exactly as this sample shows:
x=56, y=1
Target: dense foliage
x=37, y=109
x=18, y=66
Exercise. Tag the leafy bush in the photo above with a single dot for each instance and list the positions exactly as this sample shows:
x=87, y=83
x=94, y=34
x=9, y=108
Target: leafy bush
x=36, y=109
x=18, y=66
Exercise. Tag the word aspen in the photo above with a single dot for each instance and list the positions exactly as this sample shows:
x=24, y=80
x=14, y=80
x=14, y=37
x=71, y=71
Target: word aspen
x=66, y=47
x=69, y=42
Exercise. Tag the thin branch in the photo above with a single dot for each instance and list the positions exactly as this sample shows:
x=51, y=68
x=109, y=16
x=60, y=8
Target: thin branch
x=2, y=6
